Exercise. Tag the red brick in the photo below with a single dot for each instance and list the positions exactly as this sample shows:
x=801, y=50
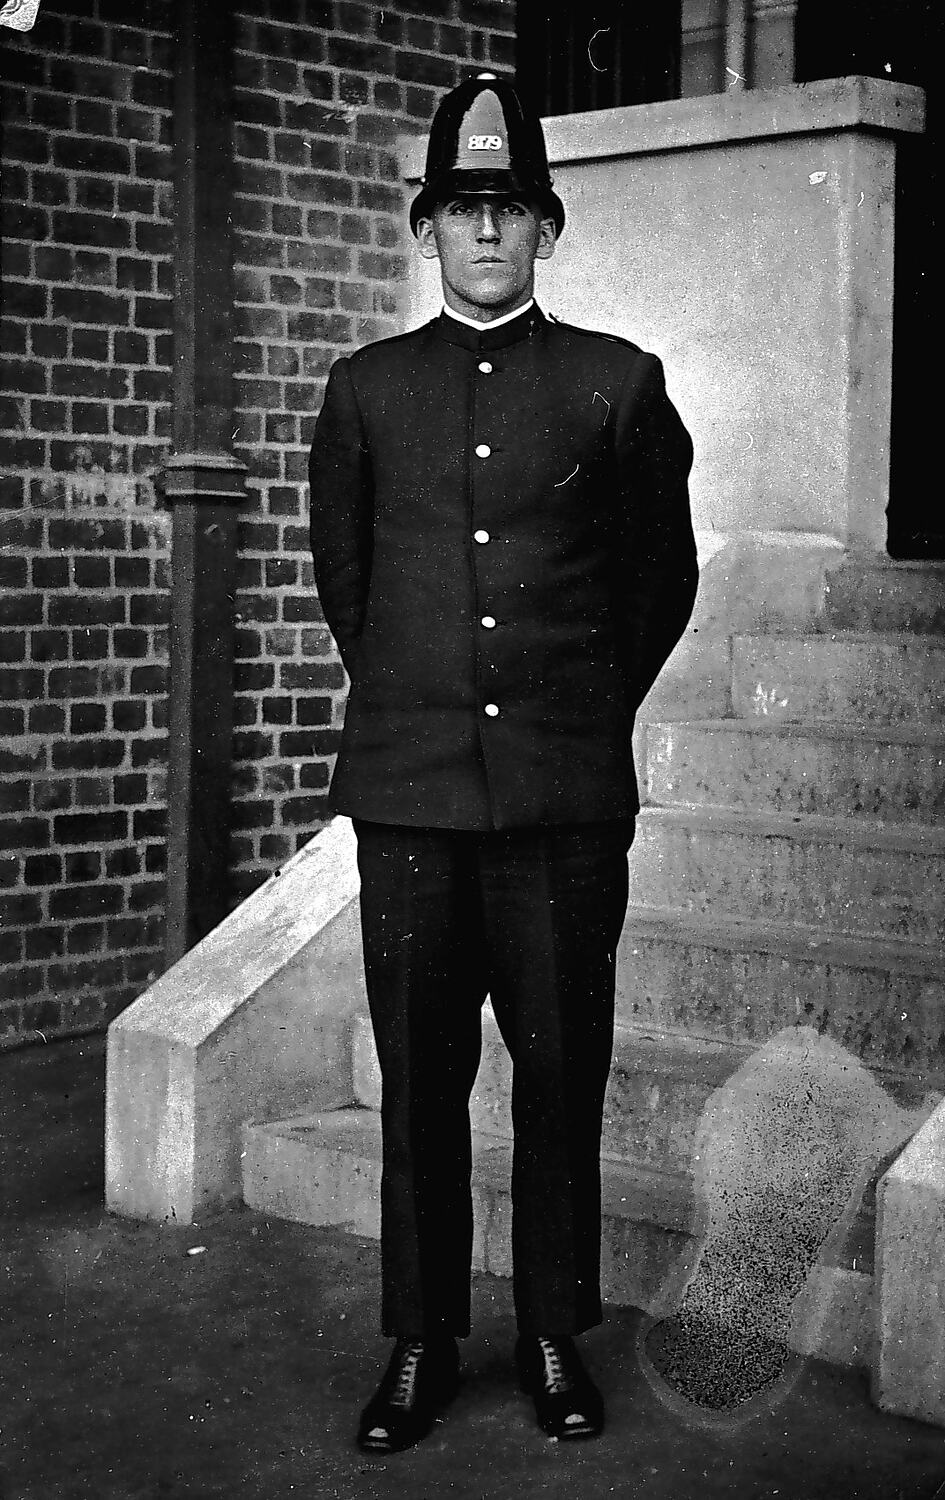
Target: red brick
x=91, y=229
x=49, y=645
x=20, y=609
x=49, y=572
x=89, y=645
x=85, y=937
x=90, y=828
x=88, y=755
x=77, y=901
x=20, y=682
x=49, y=341
x=47, y=718
x=12, y=646
x=47, y=941
x=84, y=153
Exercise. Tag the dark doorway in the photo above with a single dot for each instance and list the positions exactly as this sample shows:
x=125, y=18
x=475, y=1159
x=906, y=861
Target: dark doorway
x=577, y=57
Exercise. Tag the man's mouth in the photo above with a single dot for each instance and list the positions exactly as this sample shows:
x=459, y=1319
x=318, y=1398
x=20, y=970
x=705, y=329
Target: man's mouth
x=489, y=260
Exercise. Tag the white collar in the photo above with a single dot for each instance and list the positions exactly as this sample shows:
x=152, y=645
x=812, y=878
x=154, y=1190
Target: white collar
x=493, y=322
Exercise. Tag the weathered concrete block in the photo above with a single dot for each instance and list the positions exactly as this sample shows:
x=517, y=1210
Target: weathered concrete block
x=889, y=773
x=748, y=580
x=832, y=1317
x=875, y=593
x=738, y=982
x=818, y=873
x=656, y=1094
x=253, y=1022
x=872, y=679
x=317, y=1169
x=909, y=1374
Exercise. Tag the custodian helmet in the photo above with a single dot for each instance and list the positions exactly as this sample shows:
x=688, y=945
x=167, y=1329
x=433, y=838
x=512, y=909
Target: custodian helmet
x=482, y=141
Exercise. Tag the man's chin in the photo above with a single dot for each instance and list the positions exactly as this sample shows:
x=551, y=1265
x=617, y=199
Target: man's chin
x=495, y=299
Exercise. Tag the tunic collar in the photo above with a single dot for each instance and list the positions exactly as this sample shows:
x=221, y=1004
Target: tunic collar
x=489, y=335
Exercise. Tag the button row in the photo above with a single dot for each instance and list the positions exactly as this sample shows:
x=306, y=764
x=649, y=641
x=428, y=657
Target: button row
x=491, y=710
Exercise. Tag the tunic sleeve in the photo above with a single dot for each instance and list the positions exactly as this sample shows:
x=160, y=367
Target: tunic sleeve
x=341, y=511
x=655, y=552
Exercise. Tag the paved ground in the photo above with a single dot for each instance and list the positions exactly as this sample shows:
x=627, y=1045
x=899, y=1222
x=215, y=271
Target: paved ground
x=134, y=1370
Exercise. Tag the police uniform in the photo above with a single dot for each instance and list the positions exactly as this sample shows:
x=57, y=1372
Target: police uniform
x=504, y=555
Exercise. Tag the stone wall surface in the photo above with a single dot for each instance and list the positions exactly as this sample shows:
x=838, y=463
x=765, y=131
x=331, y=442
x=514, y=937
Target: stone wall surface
x=322, y=89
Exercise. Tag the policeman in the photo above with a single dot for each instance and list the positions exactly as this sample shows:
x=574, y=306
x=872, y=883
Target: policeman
x=504, y=555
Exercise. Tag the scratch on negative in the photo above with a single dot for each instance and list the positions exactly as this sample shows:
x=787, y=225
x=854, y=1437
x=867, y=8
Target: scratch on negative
x=597, y=396
x=570, y=477
x=601, y=31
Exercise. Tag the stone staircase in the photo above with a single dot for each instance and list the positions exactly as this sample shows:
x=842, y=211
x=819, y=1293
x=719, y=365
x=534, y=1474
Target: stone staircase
x=788, y=870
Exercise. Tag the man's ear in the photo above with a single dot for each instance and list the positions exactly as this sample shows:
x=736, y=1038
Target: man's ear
x=426, y=240
x=547, y=239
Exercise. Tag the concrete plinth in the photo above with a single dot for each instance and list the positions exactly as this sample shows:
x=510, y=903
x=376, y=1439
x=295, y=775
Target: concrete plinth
x=909, y=1373
x=252, y=1023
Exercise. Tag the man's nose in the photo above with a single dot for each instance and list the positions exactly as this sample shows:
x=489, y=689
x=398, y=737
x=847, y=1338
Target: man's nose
x=488, y=226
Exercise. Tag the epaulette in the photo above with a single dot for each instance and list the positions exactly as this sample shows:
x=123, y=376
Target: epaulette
x=597, y=333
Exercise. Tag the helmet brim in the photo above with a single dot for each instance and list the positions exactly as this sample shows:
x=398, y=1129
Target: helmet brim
x=484, y=181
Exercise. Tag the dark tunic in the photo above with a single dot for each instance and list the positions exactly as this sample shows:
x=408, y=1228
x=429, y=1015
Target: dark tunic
x=504, y=554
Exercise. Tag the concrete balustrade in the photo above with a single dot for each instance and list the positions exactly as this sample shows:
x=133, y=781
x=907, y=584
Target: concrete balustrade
x=909, y=1298
x=253, y=1023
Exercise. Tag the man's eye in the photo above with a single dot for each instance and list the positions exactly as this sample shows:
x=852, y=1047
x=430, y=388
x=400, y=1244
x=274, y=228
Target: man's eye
x=516, y=209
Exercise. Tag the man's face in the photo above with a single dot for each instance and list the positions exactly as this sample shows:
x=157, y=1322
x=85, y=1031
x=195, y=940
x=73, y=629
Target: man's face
x=487, y=245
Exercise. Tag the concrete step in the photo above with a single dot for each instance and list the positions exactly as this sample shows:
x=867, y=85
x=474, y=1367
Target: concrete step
x=817, y=873
x=326, y=1169
x=657, y=1091
x=736, y=981
x=892, y=773
x=879, y=594
x=844, y=676
x=660, y=1085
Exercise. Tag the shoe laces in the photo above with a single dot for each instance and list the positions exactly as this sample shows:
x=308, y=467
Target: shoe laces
x=402, y=1390
x=556, y=1376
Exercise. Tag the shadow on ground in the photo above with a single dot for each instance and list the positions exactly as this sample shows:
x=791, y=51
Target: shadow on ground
x=133, y=1369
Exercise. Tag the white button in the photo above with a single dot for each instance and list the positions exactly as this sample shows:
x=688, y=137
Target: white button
x=480, y=536
x=483, y=450
x=485, y=367
x=492, y=710
x=488, y=622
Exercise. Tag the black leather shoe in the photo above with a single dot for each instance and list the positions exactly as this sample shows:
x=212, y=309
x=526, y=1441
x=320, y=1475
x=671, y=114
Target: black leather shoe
x=419, y=1381
x=567, y=1402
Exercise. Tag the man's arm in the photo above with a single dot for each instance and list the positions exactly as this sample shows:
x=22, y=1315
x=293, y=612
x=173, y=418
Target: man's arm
x=341, y=510
x=656, y=570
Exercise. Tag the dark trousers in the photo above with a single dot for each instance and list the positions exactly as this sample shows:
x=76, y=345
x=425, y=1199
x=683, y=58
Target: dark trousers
x=532, y=918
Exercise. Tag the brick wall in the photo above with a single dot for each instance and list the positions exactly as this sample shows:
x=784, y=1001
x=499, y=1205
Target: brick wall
x=323, y=88
x=86, y=377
